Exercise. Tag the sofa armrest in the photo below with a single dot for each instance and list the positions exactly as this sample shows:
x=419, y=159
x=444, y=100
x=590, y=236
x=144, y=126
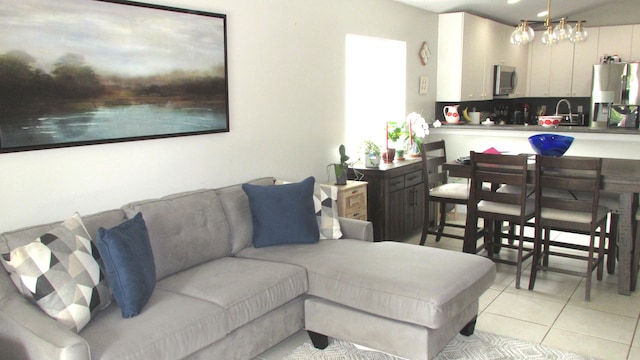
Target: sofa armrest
x=28, y=333
x=356, y=229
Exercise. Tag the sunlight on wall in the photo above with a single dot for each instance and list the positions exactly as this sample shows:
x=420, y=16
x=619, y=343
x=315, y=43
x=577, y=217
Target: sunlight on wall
x=375, y=88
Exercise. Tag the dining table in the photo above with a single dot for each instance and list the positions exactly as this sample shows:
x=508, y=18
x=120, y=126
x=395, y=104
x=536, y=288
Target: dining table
x=620, y=176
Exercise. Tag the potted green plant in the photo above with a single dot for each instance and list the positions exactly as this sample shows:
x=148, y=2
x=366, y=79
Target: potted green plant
x=394, y=132
x=393, y=135
x=340, y=168
x=371, y=154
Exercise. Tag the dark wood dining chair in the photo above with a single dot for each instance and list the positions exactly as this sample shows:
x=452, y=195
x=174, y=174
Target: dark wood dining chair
x=612, y=202
x=569, y=214
x=495, y=207
x=438, y=190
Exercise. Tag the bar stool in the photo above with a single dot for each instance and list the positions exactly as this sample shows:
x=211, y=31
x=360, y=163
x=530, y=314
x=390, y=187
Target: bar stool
x=439, y=190
x=569, y=214
x=511, y=206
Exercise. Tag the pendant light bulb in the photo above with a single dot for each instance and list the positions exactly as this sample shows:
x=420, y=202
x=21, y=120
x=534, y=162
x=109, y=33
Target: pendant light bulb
x=579, y=34
x=549, y=38
x=516, y=36
x=527, y=32
x=522, y=35
x=563, y=31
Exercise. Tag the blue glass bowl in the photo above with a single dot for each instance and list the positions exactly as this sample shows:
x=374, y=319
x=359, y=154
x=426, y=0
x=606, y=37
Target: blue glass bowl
x=550, y=144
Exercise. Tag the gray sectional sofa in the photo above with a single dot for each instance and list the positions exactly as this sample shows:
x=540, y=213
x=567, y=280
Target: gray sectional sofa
x=218, y=297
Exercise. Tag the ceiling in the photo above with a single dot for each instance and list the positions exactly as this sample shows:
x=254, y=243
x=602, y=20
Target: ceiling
x=595, y=12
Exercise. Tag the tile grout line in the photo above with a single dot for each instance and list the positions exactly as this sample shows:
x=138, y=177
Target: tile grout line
x=635, y=331
x=560, y=313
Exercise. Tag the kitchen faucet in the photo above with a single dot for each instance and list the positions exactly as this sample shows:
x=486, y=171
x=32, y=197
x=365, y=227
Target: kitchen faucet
x=568, y=104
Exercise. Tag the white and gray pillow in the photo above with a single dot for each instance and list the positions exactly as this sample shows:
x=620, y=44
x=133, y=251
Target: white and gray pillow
x=60, y=271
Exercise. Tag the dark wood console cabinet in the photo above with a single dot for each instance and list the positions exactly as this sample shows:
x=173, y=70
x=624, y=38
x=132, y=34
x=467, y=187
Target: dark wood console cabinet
x=395, y=198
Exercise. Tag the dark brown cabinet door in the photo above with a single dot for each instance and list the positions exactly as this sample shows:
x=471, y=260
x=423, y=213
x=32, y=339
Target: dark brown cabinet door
x=395, y=224
x=414, y=208
x=395, y=198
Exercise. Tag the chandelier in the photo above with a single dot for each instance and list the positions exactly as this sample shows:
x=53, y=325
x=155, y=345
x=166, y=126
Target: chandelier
x=524, y=34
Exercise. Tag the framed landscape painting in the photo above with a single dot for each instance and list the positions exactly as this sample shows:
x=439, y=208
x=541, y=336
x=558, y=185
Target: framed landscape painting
x=80, y=72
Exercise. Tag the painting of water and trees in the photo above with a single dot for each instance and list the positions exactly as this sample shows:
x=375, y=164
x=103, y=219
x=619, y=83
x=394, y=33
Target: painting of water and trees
x=79, y=72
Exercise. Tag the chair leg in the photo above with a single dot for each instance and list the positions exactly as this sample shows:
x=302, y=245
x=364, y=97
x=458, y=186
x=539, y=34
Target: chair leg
x=512, y=232
x=519, y=260
x=601, y=255
x=489, y=238
x=425, y=224
x=545, y=249
x=497, y=236
x=443, y=219
x=587, y=291
x=537, y=244
x=612, y=249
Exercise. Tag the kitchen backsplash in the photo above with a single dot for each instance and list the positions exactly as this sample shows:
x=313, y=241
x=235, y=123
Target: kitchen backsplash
x=511, y=111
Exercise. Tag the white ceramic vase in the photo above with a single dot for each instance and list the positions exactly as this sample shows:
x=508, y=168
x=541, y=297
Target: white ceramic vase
x=371, y=160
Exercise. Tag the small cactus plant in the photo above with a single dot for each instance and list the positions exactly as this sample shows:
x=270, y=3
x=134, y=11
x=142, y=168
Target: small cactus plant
x=340, y=169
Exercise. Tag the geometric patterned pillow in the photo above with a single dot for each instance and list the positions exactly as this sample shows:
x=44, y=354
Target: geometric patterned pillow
x=60, y=272
x=325, y=202
x=326, y=205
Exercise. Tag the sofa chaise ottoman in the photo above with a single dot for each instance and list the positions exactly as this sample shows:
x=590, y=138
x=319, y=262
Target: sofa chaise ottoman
x=403, y=299
x=217, y=295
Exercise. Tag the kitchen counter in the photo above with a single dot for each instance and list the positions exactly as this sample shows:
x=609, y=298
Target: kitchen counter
x=601, y=142
x=537, y=128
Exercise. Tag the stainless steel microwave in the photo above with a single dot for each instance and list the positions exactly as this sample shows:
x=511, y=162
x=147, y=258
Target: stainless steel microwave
x=505, y=80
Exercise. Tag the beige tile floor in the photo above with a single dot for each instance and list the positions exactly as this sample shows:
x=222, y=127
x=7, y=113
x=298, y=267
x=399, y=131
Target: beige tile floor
x=553, y=314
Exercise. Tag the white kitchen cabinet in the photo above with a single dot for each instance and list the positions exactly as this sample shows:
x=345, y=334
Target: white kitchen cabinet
x=585, y=55
x=615, y=40
x=474, y=57
x=462, y=58
x=562, y=70
x=494, y=54
x=469, y=46
x=635, y=44
x=551, y=68
x=517, y=56
x=539, y=68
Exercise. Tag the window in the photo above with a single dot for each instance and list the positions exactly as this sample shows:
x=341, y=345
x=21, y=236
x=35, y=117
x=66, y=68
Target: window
x=375, y=88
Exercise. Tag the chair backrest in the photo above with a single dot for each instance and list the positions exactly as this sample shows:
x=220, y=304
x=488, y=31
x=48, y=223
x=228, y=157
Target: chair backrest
x=570, y=175
x=498, y=170
x=434, y=155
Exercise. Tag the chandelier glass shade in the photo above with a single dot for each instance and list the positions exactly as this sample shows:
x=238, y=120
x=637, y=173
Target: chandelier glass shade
x=523, y=34
x=563, y=30
x=580, y=33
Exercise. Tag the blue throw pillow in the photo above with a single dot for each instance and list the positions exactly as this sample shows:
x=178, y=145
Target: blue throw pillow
x=283, y=214
x=128, y=262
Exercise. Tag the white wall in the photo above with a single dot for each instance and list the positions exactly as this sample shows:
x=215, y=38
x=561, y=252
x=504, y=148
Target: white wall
x=286, y=71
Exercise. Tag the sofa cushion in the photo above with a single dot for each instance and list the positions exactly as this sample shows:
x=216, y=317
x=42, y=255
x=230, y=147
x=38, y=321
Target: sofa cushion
x=416, y=284
x=185, y=229
x=283, y=214
x=245, y=288
x=106, y=219
x=172, y=326
x=60, y=272
x=236, y=207
x=128, y=262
